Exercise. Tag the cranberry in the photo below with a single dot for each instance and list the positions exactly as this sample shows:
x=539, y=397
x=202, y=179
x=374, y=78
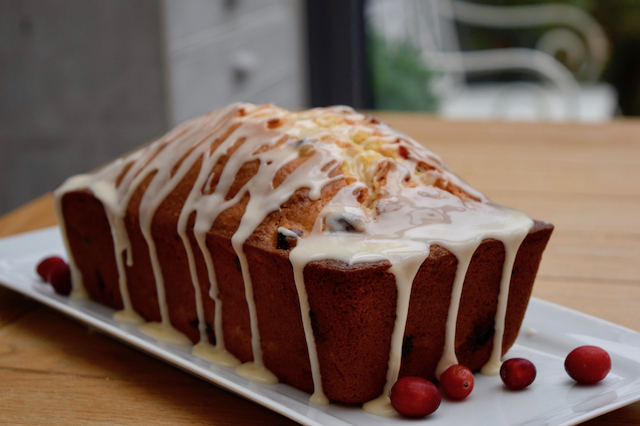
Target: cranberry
x=457, y=382
x=46, y=265
x=517, y=373
x=60, y=278
x=415, y=397
x=588, y=364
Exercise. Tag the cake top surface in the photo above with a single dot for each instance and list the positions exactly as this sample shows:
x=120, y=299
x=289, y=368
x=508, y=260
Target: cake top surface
x=395, y=192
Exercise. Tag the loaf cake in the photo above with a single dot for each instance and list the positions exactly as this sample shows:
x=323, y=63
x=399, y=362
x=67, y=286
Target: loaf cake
x=320, y=248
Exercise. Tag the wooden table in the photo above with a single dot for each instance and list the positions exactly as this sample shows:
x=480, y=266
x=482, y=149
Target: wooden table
x=583, y=178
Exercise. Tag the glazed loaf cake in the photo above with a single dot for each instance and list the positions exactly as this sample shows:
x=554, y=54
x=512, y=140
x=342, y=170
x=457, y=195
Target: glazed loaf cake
x=321, y=248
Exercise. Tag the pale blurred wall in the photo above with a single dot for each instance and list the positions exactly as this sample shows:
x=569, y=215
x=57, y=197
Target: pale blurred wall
x=82, y=81
x=226, y=51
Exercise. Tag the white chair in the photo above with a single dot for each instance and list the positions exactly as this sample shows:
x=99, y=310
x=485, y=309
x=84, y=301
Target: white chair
x=429, y=26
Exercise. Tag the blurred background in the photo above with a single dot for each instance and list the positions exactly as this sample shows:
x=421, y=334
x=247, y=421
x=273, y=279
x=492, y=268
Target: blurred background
x=82, y=81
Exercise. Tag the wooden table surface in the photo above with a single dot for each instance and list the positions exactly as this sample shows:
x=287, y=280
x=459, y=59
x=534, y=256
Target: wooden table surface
x=583, y=178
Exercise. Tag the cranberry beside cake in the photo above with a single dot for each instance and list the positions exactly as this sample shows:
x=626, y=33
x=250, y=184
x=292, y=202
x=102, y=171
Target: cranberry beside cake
x=320, y=248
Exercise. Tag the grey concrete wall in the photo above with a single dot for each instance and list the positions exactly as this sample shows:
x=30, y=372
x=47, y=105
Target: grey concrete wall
x=80, y=83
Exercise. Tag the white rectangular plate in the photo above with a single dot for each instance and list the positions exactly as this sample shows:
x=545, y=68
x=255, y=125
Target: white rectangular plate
x=548, y=334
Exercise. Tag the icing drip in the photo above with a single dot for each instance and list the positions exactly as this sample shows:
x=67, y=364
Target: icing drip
x=164, y=181
x=398, y=200
x=511, y=245
x=405, y=268
x=380, y=406
x=299, y=262
x=449, y=352
x=264, y=199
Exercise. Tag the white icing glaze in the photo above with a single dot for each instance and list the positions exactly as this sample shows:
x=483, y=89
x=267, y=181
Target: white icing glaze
x=380, y=406
x=449, y=351
x=299, y=262
x=164, y=333
x=400, y=199
x=214, y=354
x=492, y=367
x=256, y=372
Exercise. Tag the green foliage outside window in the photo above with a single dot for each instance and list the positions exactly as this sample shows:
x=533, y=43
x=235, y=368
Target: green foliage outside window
x=399, y=79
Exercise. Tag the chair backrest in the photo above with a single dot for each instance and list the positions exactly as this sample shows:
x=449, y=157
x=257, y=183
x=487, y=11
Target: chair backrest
x=570, y=29
x=429, y=26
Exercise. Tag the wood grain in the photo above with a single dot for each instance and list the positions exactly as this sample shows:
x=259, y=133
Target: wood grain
x=582, y=178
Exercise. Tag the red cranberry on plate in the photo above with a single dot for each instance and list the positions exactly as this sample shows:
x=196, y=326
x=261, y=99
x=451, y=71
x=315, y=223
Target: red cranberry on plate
x=588, y=364
x=46, y=265
x=60, y=279
x=457, y=382
x=415, y=397
x=517, y=373
x=56, y=272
